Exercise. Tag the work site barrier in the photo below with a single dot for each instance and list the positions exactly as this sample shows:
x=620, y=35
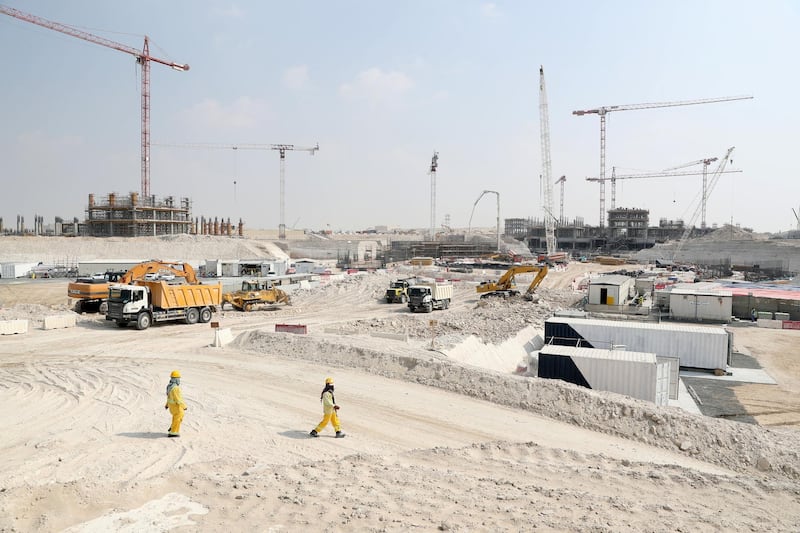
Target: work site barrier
x=11, y=327
x=59, y=321
x=291, y=328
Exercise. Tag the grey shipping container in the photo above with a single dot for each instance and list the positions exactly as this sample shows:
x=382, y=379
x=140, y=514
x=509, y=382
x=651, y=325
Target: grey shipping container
x=635, y=374
x=701, y=347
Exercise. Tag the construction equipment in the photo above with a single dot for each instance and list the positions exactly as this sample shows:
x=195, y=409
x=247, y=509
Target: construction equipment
x=429, y=296
x=469, y=227
x=398, y=290
x=281, y=148
x=143, y=58
x=254, y=293
x=562, y=180
x=146, y=302
x=797, y=217
x=663, y=174
x=506, y=285
x=603, y=111
x=93, y=292
x=547, y=182
x=690, y=225
x=432, y=172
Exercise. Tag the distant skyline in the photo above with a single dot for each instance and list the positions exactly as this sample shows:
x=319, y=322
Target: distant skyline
x=381, y=86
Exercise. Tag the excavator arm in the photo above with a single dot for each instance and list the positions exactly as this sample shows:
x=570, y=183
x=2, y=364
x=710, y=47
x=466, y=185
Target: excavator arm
x=506, y=283
x=179, y=270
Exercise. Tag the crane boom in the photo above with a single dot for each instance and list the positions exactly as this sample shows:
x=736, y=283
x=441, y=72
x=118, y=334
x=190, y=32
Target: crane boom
x=469, y=226
x=143, y=57
x=544, y=134
x=602, y=111
x=690, y=226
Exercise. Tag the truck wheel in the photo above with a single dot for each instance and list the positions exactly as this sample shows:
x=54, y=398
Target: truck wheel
x=143, y=320
x=79, y=307
x=205, y=315
x=192, y=315
x=428, y=308
x=103, y=309
x=445, y=304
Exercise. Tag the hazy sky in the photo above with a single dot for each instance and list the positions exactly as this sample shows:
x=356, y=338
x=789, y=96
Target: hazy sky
x=380, y=85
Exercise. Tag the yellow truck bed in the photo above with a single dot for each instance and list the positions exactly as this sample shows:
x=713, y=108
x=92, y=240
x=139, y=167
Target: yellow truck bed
x=168, y=296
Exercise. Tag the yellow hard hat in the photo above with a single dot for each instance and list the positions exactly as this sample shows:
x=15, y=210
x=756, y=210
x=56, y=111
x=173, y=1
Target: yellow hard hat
x=175, y=374
x=328, y=381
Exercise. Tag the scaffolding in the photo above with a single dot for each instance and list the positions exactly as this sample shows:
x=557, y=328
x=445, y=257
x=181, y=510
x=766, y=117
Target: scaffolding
x=132, y=216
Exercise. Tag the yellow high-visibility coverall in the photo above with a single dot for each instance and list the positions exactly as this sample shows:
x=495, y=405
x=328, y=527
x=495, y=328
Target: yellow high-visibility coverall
x=329, y=414
x=176, y=407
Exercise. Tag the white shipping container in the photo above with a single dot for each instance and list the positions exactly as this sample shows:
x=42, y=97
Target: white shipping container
x=687, y=304
x=15, y=270
x=635, y=374
x=705, y=347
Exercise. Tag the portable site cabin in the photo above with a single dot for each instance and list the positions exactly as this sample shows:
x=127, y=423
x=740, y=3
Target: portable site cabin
x=635, y=374
x=702, y=347
x=611, y=290
x=701, y=305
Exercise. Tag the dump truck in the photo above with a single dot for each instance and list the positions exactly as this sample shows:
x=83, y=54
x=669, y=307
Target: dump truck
x=92, y=292
x=398, y=290
x=429, y=296
x=145, y=302
x=506, y=285
x=254, y=293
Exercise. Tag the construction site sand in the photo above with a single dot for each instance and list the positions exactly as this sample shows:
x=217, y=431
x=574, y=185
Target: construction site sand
x=434, y=443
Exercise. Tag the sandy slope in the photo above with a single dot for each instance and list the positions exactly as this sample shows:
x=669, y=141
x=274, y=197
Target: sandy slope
x=432, y=444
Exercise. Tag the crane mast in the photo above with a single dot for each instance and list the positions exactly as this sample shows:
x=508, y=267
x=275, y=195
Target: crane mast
x=562, y=180
x=544, y=134
x=603, y=111
x=690, y=225
x=280, y=148
x=432, y=172
x=143, y=57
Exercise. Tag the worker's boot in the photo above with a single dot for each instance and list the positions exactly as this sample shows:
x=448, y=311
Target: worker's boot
x=314, y=433
x=173, y=434
x=339, y=435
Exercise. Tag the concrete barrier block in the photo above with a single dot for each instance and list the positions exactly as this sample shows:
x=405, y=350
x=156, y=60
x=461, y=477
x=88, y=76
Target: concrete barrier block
x=12, y=327
x=394, y=336
x=772, y=324
x=222, y=336
x=59, y=321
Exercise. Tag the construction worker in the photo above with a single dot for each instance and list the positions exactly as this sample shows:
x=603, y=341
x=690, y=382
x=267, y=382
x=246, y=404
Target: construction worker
x=175, y=403
x=329, y=410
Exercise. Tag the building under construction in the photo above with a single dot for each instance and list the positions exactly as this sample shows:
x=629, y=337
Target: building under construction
x=133, y=216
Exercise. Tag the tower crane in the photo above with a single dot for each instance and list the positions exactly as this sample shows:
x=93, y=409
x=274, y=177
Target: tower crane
x=280, y=148
x=544, y=134
x=664, y=174
x=705, y=163
x=432, y=172
x=469, y=227
x=143, y=57
x=690, y=226
x=603, y=111
x=562, y=180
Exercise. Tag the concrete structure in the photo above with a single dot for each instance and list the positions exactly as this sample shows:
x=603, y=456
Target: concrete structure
x=13, y=327
x=132, y=216
x=59, y=321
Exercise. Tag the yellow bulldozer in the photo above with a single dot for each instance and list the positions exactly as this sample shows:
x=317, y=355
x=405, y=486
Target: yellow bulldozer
x=253, y=294
x=506, y=286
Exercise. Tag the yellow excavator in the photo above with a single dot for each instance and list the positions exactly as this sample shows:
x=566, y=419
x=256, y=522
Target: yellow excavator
x=254, y=293
x=506, y=286
x=92, y=293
